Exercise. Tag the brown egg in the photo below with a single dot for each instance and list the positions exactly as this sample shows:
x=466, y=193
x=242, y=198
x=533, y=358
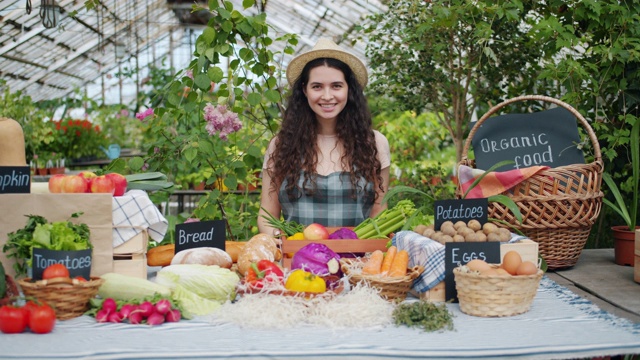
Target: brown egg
x=511, y=261
x=527, y=268
x=502, y=272
x=478, y=265
x=490, y=272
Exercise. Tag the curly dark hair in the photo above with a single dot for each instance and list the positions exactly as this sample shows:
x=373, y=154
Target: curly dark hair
x=296, y=147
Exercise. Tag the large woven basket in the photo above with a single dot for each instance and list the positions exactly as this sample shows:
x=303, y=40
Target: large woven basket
x=558, y=205
x=495, y=295
x=391, y=288
x=69, y=298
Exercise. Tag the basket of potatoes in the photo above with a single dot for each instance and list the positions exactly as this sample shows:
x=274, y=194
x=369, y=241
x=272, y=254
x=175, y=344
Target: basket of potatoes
x=460, y=231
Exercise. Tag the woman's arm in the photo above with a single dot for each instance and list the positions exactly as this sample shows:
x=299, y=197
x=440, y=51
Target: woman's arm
x=378, y=206
x=269, y=202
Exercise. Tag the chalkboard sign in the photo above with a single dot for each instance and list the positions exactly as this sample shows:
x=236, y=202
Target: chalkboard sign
x=78, y=262
x=548, y=138
x=460, y=209
x=200, y=234
x=456, y=254
x=15, y=180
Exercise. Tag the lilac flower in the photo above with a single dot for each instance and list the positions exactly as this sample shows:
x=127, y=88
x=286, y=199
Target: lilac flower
x=141, y=116
x=220, y=120
x=189, y=74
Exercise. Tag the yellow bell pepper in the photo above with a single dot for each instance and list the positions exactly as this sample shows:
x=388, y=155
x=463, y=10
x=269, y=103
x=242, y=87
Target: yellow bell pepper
x=304, y=281
x=296, y=236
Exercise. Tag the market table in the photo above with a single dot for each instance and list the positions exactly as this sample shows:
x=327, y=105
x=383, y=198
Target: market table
x=560, y=324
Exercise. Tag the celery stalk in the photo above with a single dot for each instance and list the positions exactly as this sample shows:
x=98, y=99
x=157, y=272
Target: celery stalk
x=386, y=222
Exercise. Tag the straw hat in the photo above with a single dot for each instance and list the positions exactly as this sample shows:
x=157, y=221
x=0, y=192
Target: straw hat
x=326, y=48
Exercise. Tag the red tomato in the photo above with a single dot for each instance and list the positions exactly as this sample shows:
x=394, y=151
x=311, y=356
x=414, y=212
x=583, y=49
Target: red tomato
x=80, y=278
x=55, y=271
x=42, y=319
x=28, y=306
x=13, y=320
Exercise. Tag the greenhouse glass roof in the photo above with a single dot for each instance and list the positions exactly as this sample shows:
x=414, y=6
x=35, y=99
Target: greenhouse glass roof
x=47, y=54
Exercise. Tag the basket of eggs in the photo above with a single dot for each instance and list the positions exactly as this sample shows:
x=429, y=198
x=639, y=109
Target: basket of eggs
x=492, y=290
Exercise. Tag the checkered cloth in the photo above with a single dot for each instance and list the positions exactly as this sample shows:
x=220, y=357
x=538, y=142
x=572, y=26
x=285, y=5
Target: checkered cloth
x=132, y=213
x=422, y=251
x=495, y=182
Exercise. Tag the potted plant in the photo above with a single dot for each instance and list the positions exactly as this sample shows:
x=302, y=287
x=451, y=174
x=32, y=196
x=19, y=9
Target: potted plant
x=624, y=235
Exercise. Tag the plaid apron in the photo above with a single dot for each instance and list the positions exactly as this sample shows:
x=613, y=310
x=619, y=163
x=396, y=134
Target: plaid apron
x=331, y=205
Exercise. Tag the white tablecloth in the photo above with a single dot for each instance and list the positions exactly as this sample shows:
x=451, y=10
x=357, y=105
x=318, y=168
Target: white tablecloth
x=132, y=213
x=559, y=325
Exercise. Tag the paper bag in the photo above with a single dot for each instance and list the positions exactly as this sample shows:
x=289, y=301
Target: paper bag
x=97, y=214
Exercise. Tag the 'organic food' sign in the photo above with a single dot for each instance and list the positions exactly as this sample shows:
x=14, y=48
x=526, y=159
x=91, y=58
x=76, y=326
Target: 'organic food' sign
x=200, y=234
x=15, y=180
x=460, y=210
x=78, y=262
x=548, y=138
x=460, y=253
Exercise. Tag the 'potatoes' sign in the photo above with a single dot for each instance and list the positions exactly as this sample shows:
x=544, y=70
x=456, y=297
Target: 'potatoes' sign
x=548, y=138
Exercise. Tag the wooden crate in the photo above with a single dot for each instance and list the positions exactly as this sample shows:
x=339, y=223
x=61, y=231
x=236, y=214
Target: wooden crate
x=290, y=247
x=129, y=258
x=528, y=250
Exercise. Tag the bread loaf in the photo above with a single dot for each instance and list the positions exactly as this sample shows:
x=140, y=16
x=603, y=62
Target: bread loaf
x=203, y=256
x=161, y=255
x=259, y=247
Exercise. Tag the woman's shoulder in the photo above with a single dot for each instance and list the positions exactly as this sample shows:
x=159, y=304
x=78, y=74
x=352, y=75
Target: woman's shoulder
x=381, y=140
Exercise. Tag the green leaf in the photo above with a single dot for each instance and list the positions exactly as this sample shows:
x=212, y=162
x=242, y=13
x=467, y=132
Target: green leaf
x=190, y=154
x=203, y=82
x=509, y=203
x=272, y=95
x=215, y=74
x=254, y=99
x=248, y=3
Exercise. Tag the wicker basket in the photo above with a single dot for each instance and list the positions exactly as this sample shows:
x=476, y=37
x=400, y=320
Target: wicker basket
x=68, y=297
x=558, y=205
x=392, y=289
x=495, y=295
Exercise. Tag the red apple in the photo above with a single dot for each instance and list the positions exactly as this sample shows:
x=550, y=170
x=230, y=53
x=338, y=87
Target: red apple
x=87, y=174
x=102, y=184
x=119, y=181
x=56, y=183
x=316, y=232
x=75, y=184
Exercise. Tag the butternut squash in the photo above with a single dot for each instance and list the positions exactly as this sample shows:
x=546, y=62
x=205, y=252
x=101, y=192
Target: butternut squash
x=12, y=149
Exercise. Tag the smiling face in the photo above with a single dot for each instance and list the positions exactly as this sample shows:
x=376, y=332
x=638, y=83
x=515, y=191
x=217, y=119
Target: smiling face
x=327, y=92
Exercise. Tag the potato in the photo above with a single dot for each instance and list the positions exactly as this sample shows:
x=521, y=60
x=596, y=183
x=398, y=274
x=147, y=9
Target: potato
x=420, y=228
x=437, y=236
x=446, y=238
x=494, y=236
x=471, y=237
x=474, y=225
x=446, y=223
x=448, y=230
x=465, y=231
x=458, y=238
x=459, y=224
x=480, y=236
x=505, y=234
x=489, y=228
x=428, y=232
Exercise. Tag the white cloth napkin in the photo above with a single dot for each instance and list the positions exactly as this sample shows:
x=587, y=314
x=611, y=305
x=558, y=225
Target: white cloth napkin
x=132, y=213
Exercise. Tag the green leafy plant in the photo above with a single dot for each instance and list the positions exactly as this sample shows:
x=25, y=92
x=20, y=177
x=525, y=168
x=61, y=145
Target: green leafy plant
x=628, y=210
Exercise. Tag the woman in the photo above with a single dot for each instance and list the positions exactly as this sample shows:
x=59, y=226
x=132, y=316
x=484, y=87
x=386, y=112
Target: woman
x=326, y=165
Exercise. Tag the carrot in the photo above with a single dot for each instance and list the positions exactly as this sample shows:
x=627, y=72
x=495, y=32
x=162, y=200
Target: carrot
x=372, y=266
x=399, y=265
x=388, y=259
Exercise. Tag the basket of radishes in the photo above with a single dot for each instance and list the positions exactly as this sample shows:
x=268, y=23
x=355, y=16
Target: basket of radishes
x=150, y=311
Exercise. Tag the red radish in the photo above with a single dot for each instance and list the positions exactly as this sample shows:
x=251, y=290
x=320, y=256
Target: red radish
x=155, y=319
x=135, y=317
x=102, y=316
x=163, y=306
x=173, y=316
x=126, y=310
x=109, y=304
x=115, y=317
x=146, y=309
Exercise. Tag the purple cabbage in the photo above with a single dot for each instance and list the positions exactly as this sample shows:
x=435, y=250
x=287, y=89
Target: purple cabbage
x=318, y=259
x=345, y=234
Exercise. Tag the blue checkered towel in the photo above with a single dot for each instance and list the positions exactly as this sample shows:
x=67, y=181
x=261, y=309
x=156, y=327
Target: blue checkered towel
x=422, y=251
x=132, y=213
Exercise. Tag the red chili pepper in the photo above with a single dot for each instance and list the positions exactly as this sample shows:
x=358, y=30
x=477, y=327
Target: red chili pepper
x=261, y=271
